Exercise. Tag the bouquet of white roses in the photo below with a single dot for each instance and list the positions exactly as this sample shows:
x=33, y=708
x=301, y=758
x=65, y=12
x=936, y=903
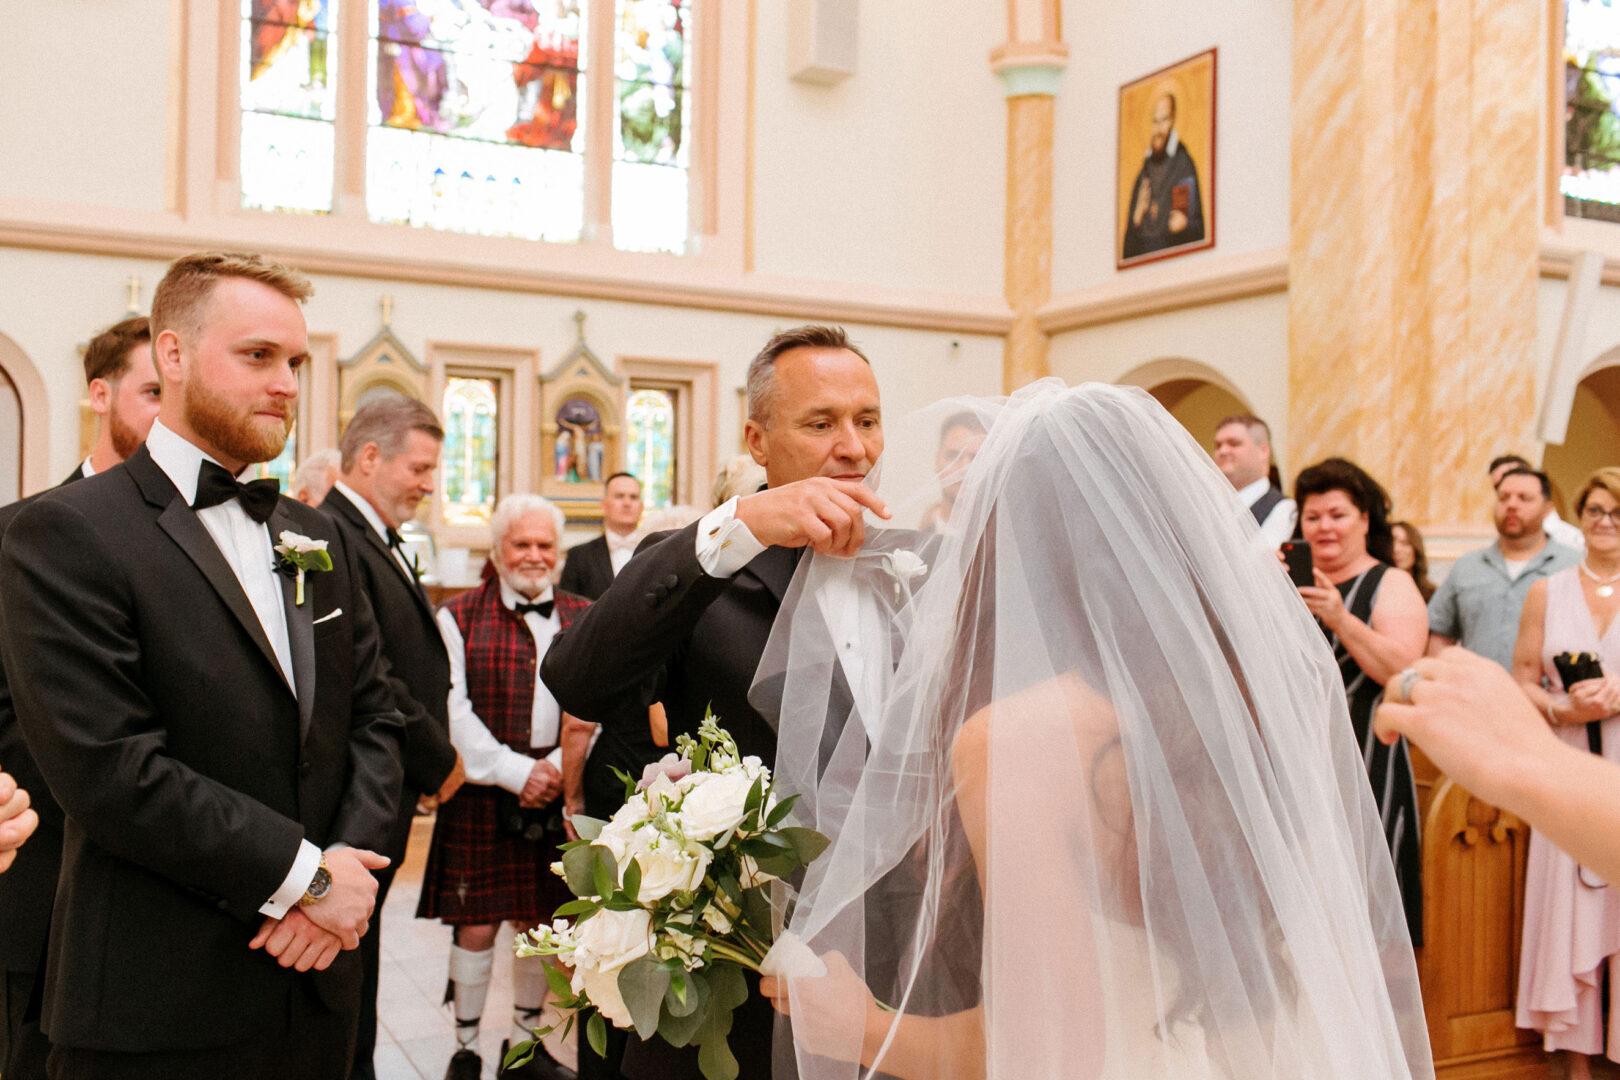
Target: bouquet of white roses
x=671, y=902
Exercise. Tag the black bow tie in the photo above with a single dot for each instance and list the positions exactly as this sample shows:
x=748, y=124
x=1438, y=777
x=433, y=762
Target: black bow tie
x=543, y=608
x=215, y=486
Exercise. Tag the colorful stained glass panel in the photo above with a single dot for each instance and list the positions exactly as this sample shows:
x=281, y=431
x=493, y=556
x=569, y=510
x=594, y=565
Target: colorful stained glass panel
x=477, y=116
x=288, y=98
x=1591, y=179
x=282, y=466
x=651, y=454
x=653, y=109
x=471, y=456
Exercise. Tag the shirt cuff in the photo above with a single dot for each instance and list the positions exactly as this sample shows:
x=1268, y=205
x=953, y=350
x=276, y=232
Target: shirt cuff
x=724, y=544
x=513, y=771
x=555, y=758
x=297, y=883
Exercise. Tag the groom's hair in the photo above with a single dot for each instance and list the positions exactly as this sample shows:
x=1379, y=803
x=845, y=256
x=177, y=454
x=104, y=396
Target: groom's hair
x=178, y=300
x=762, y=369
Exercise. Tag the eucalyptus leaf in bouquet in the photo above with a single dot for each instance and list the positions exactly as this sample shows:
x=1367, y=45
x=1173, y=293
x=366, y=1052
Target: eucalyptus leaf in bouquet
x=670, y=901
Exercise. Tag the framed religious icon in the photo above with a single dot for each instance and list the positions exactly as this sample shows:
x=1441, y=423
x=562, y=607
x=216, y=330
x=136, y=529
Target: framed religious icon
x=581, y=432
x=1165, y=204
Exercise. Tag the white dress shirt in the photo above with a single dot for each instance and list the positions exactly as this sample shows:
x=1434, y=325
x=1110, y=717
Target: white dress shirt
x=485, y=758
x=86, y=470
x=620, y=548
x=725, y=545
x=247, y=548
x=1279, y=524
x=377, y=524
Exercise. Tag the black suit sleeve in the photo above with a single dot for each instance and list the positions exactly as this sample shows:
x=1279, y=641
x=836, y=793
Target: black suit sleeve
x=371, y=801
x=428, y=756
x=71, y=648
x=616, y=653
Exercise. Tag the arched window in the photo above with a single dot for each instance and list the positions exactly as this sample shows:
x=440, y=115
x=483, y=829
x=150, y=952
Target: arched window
x=477, y=115
x=11, y=442
x=471, y=449
x=650, y=453
x=1591, y=177
x=289, y=104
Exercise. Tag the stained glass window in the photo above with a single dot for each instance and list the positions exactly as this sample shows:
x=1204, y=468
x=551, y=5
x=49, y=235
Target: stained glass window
x=653, y=109
x=651, y=455
x=471, y=441
x=1591, y=179
x=477, y=116
x=289, y=103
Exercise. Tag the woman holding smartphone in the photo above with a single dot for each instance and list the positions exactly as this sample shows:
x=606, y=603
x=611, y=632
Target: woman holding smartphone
x=1571, y=917
x=1375, y=619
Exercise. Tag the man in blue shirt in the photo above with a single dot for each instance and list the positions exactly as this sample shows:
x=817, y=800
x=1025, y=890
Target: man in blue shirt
x=1478, y=605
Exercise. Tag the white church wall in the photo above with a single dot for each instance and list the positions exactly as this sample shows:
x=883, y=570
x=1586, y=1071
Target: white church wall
x=1117, y=43
x=84, y=117
x=52, y=302
x=1242, y=342
x=896, y=175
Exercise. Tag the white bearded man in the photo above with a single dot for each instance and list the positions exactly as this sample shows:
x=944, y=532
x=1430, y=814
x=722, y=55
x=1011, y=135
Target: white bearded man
x=495, y=840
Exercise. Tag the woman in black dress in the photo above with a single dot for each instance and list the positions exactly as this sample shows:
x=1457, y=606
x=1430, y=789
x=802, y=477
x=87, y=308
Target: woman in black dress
x=1376, y=621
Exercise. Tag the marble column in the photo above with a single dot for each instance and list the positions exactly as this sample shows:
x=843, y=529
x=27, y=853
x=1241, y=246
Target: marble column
x=1030, y=72
x=1414, y=230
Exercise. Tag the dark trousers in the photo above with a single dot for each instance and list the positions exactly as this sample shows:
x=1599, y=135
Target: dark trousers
x=365, y=1039
x=22, y=1054
x=317, y=1044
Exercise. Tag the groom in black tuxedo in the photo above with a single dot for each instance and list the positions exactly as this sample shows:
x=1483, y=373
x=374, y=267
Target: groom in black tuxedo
x=687, y=619
x=219, y=733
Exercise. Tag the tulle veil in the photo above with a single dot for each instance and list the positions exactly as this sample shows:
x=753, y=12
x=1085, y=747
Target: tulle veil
x=1086, y=764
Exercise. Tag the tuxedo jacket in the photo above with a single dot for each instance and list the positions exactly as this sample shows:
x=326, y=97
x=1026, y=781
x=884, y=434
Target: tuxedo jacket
x=28, y=889
x=589, y=569
x=188, y=770
x=418, y=668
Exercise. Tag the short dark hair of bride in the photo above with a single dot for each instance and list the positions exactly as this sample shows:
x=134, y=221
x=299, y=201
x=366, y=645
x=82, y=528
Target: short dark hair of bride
x=1368, y=495
x=762, y=368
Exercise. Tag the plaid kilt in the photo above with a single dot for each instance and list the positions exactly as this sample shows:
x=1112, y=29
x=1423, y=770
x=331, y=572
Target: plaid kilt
x=478, y=874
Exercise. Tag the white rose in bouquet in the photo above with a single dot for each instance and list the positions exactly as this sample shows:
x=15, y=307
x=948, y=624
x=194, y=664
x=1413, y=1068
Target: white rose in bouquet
x=715, y=805
x=603, y=944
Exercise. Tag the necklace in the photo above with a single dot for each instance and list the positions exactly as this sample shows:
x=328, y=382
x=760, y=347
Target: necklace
x=1605, y=585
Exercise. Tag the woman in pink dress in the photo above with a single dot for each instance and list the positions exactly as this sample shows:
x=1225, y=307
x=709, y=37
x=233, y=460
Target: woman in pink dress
x=1571, y=916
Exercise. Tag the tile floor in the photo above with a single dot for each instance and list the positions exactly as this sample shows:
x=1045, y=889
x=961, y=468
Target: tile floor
x=415, y=1033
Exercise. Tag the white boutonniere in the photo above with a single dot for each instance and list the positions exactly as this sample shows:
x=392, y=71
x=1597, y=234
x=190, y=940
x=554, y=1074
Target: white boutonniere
x=300, y=554
x=904, y=567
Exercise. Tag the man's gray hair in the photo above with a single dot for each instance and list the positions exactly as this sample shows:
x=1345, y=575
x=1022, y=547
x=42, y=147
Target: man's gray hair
x=762, y=368
x=510, y=510
x=316, y=471
x=387, y=422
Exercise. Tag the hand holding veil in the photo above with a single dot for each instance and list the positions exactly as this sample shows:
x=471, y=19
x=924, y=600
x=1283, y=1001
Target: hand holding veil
x=1088, y=770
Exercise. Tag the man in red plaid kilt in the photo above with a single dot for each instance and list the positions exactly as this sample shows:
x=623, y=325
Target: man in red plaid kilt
x=495, y=840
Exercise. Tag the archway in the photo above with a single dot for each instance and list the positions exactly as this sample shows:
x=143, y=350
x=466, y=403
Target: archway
x=24, y=424
x=1593, y=440
x=1195, y=394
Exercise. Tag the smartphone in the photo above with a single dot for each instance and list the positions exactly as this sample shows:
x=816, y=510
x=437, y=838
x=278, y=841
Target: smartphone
x=1301, y=568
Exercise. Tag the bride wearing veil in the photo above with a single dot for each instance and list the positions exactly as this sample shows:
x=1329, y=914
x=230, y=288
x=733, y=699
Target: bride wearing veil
x=1087, y=768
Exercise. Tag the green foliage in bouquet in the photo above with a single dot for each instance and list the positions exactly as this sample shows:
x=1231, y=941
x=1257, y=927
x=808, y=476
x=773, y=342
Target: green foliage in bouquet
x=671, y=901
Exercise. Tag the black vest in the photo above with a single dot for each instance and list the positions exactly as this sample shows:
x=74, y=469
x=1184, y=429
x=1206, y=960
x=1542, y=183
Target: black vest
x=1265, y=504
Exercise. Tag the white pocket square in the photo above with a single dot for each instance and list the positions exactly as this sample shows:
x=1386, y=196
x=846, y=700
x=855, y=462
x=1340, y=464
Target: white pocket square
x=328, y=617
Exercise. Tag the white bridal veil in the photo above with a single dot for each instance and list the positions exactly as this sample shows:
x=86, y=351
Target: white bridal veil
x=1085, y=759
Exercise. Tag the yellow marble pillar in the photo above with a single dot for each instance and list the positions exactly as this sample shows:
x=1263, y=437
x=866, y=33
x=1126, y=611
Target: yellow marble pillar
x=1414, y=240
x=1030, y=66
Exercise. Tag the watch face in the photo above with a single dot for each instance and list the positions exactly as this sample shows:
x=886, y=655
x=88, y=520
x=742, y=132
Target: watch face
x=321, y=883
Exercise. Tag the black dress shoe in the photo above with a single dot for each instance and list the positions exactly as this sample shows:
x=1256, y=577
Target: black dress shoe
x=540, y=1067
x=464, y=1065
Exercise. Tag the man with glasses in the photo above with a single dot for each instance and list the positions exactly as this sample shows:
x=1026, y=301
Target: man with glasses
x=1478, y=605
